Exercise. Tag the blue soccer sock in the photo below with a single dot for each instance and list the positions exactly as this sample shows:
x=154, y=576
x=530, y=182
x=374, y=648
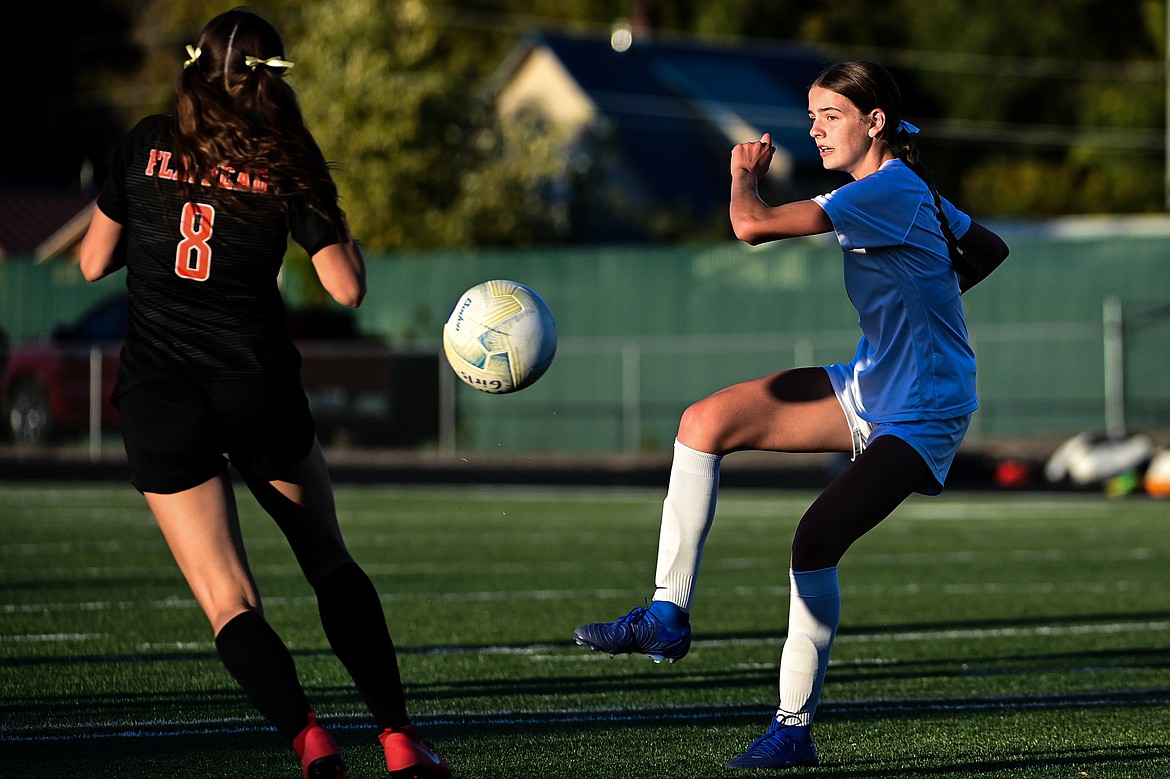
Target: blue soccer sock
x=670, y=614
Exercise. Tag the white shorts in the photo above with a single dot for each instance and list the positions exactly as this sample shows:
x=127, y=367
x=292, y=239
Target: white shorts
x=936, y=440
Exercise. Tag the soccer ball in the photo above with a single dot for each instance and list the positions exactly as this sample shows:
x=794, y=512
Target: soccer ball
x=500, y=337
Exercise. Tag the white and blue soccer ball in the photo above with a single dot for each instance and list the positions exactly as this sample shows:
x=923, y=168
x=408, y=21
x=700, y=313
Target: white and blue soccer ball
x=501, y=336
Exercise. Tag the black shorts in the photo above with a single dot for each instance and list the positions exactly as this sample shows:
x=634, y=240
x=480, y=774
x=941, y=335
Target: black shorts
x=177, y=434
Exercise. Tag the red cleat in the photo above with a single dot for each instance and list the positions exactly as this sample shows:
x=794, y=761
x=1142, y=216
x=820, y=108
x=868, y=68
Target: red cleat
x=320, y=756
x=409, y=757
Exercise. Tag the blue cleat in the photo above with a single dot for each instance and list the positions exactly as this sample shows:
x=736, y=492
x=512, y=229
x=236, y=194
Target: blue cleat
x=637, y=632
x=780, y=747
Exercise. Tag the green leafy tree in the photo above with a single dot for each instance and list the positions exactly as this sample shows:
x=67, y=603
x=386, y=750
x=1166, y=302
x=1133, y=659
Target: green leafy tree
x=1027, y=110
x=393, y=97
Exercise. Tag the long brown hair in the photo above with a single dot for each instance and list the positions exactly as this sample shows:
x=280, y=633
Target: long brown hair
x=246, y=118
x=868, y=86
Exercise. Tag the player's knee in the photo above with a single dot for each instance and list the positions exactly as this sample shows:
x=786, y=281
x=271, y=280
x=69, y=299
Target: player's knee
x=318, y=567
x=702, y=427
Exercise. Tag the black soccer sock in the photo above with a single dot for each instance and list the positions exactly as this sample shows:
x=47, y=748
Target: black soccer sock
x=264, y=668
x=351, y=613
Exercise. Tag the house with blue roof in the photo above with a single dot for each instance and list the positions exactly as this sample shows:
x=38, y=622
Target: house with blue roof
x=656, y=119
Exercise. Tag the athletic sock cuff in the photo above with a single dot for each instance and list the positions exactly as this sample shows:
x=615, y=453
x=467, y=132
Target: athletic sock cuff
x=815, y=584
x=694, y=461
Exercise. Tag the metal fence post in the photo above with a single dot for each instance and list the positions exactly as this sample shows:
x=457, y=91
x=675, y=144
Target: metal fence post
x=631, y=397
x=447, y=407
x=1114, y=350
x=95, y=402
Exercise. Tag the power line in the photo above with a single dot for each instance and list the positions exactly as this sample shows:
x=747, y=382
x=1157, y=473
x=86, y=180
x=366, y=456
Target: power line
x=1003, y=134
x=1003, y=66
x=1013, y=134
x=1062, y=68
x=962, y=131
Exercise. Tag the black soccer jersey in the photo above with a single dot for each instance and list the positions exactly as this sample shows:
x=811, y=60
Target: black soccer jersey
x=202, y=270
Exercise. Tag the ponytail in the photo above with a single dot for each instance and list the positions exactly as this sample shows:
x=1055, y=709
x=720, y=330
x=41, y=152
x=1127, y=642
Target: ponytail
x=906, y=149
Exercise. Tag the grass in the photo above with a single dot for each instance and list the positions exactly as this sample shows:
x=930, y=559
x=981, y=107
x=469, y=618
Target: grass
x=1006, y=635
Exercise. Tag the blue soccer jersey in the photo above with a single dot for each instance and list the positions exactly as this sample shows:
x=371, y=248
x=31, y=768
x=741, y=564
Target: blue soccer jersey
x=914, y=360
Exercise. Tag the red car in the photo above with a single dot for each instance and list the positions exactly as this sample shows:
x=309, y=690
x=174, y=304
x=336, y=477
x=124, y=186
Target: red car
x=46, y=390
x=360, y=390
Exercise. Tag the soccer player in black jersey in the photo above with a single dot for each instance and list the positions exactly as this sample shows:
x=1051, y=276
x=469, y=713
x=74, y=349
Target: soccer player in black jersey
x=198, y=209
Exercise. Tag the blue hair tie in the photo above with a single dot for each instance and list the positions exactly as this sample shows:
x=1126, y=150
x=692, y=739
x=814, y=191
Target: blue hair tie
x=906, y=127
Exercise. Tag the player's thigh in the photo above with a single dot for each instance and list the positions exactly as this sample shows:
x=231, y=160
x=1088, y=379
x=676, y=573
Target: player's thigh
x=201, y=526
x=789, y=411
x=303, y=507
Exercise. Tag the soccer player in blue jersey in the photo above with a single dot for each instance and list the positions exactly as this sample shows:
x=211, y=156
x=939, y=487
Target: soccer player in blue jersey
x=198, y=209
x=900, y=407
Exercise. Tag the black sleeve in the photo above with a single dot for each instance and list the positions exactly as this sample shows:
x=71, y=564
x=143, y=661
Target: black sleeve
x=112, y=198
x=312, y=230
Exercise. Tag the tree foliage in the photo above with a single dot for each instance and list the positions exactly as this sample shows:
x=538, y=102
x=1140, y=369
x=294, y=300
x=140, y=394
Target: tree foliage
x=426, y=162
x=1027, y=110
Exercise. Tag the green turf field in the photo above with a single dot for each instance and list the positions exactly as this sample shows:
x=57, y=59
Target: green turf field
x=1021, y=635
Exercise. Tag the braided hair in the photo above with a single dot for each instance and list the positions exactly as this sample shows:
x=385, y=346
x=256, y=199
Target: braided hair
x=868, y=86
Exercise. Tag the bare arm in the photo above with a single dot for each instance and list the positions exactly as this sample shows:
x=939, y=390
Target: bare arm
x=102, y=249
x=982, y=252
x=342, y=272
x=753, y=220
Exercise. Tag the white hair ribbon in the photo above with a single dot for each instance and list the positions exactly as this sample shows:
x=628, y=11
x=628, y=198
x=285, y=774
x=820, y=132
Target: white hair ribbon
x=194, y=53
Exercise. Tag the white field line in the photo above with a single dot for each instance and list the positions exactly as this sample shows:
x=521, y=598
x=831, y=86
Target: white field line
x=161, y=728
x=985, y=633
x=751, y=502
x=741, y=503
x=490, y=596
x=775, y=591
x=545, y=650
x=48, y=638
x=1096, y=556
x=949, y=508
x=858, y=638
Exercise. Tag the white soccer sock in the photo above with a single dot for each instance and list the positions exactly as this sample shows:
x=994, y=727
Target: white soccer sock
x=687, y=513
x=813, y=613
